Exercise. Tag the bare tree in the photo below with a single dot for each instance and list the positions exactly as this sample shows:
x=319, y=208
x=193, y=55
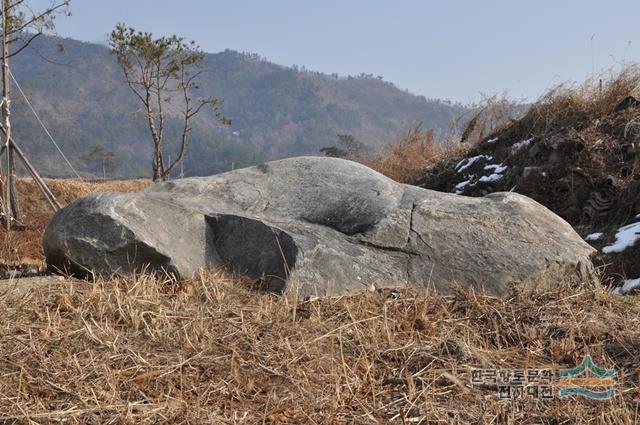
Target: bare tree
x=160, y=71
x=350, y=147
x=100, y=157
x=21, y=25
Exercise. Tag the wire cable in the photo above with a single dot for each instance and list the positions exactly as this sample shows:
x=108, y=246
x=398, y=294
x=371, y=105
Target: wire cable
x=44, y=127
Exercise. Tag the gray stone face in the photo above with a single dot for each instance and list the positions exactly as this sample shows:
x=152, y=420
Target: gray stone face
x=318, y=226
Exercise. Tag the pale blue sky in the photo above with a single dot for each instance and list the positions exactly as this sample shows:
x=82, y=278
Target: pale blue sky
x=448, y=49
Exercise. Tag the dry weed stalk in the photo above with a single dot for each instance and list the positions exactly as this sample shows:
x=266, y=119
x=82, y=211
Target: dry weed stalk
x=578, y=106
x=406, y=159
x=491, y=115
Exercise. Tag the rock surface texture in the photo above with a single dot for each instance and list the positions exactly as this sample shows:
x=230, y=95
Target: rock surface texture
x=319, y=226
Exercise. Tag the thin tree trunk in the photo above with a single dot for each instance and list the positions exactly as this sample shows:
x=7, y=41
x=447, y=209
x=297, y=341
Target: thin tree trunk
x=3, y=207
x=15, y=205
x=6, y=5
x=157, y=165
x=188, y=113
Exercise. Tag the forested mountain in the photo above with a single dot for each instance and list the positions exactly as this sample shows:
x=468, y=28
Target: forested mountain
x=277, y=111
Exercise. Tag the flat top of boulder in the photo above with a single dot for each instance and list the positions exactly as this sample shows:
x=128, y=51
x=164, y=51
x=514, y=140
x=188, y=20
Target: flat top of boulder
x=341, y=194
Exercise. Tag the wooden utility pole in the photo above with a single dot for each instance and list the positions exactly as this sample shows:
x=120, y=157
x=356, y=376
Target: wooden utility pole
x=9, y=206
x=3, y=207
x=6, y=122
x=12, y=210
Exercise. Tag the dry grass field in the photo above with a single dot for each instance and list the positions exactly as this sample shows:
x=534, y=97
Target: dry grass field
x=137, y=350
x=212, y=350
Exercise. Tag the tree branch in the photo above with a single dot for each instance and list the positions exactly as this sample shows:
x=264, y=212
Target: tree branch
x=26, y=44
x=185, y=129
x=159, y=100
x=34, y=18
x=16, y=4
x=200, y=106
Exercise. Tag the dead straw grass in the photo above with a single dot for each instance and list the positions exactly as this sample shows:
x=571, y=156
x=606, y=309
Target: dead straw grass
x=140, y=351
x=578, y=106
x=68, y=190
x=406, y=159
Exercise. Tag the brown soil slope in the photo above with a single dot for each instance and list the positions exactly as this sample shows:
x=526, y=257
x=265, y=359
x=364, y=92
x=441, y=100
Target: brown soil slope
x=577, y=153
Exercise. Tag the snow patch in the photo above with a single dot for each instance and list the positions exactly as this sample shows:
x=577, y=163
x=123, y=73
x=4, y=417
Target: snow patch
x=492, y=141
x=468, y=162
x=494, y=177
x=627, y=286
x=521, y=144
x=626, y=237
x=594, y=236
x=464, y=184
x=630, y=284
x=491, y=178
x=497, y=169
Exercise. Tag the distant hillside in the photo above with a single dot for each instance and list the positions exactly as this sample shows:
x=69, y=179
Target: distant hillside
x=277, y=111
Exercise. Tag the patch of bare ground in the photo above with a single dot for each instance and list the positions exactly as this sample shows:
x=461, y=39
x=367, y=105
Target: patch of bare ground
x=210, y=350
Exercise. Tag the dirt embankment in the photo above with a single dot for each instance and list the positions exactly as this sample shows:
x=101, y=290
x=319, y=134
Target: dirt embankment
x=576, y=151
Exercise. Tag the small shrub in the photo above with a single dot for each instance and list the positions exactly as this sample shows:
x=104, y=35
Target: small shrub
x=407, y=157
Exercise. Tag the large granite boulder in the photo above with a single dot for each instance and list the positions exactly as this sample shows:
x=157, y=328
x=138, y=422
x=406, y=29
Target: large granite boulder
x=321, y=226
